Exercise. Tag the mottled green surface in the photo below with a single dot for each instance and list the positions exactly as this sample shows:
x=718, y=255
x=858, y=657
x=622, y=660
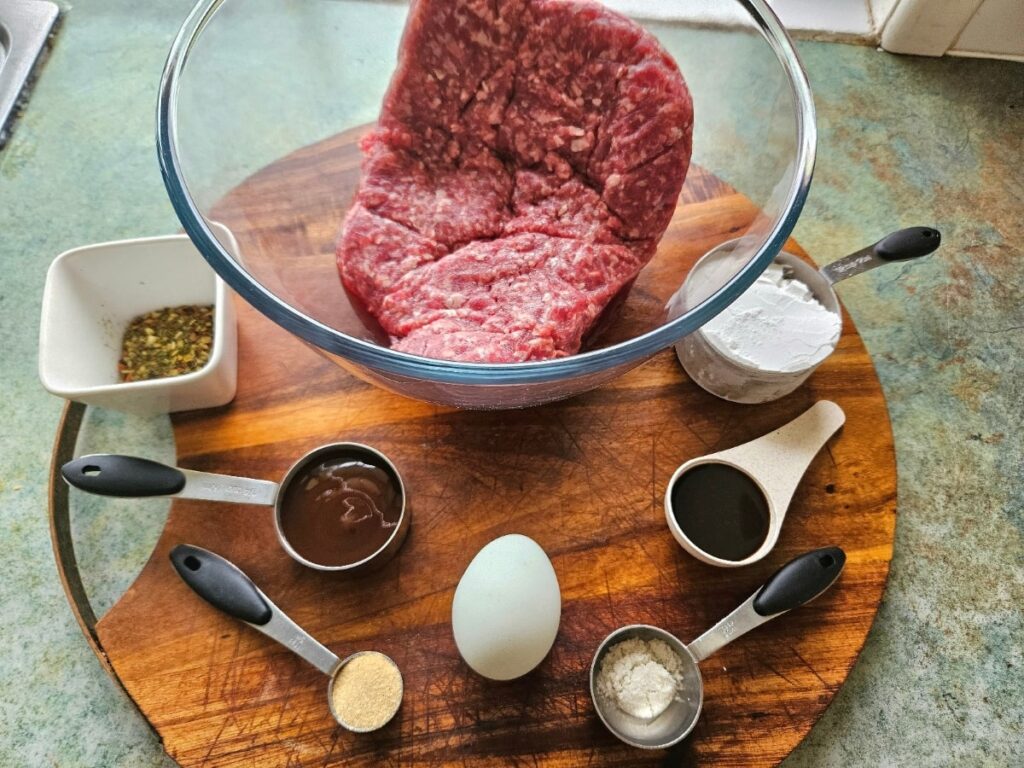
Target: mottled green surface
x=903, y=141
x=909, y=140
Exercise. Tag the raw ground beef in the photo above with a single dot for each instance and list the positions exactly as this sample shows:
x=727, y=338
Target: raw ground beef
x=528, y=157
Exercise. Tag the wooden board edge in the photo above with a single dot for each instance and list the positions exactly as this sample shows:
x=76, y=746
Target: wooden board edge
x=874, y=618
x=62, y=542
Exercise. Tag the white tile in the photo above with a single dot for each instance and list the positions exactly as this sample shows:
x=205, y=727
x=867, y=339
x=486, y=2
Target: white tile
x=880, y=10
x=838, y=18
x=997, y=27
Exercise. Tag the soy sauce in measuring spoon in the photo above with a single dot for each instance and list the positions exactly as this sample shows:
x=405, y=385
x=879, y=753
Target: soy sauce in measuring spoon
x=721, y=510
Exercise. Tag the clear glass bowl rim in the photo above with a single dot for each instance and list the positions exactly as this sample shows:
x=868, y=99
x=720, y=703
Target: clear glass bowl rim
x=382, y=359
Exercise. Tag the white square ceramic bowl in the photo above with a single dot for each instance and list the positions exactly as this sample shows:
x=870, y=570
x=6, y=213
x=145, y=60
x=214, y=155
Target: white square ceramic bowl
x=91, y=295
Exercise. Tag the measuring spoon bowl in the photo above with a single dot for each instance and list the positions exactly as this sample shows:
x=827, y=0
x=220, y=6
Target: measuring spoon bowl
x=223, y=585
x=134, y=477
x=675, y=723
x=356, y=452
x=796, y=583
x=337, y=674
x=756, y=481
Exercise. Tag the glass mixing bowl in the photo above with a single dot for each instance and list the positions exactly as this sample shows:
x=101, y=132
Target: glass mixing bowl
x=262, y=102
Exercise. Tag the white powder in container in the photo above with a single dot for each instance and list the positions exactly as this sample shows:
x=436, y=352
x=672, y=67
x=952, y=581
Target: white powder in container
x=775, y=325
x=640, y=677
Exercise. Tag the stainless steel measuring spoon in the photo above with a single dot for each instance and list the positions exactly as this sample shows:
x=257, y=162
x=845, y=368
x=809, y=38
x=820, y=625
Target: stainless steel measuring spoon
x=718, y=369
x=108, y=474
x=224, y=586
x=901, y=245
x=796, y=583
x=772, y=465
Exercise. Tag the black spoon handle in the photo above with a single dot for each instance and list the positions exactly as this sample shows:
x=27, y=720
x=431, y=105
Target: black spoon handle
x=904, y=244
x=799, y=581
x=796, y=583
x=220, y=583
x=109, y=474
x=909, y=243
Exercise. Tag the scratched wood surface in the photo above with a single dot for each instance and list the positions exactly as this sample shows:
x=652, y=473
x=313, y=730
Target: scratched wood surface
x=585, y=478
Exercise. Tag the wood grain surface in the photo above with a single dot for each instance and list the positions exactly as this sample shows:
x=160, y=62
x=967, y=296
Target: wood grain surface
x=585, y=478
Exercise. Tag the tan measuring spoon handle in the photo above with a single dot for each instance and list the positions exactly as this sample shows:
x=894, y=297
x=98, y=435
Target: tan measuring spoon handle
x=779, y=459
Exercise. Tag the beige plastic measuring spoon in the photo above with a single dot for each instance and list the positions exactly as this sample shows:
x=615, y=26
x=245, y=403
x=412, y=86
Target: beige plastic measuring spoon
x=720, y=505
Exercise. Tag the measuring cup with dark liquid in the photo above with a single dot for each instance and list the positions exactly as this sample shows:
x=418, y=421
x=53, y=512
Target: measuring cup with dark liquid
x=727, y=508
x=341, y=507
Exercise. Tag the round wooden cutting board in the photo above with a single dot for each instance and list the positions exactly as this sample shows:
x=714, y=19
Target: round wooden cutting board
x=584, y=478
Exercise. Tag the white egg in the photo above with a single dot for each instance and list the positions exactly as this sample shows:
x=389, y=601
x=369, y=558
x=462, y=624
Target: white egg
x=506, y=609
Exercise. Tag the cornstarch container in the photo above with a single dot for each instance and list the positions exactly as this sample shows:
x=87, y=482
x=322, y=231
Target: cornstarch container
x=725, y=366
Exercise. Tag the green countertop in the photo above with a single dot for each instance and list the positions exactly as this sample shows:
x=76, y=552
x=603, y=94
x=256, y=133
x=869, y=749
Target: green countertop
x=902, y=141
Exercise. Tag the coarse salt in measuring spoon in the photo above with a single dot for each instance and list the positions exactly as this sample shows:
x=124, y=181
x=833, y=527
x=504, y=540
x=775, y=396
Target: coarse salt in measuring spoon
x=776, y=325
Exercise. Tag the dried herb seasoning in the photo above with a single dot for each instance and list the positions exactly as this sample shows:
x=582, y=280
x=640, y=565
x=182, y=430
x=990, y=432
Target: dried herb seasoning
x=166, y=342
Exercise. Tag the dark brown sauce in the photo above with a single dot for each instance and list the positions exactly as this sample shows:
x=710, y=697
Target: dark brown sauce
x=340, y=510
x=721, y=510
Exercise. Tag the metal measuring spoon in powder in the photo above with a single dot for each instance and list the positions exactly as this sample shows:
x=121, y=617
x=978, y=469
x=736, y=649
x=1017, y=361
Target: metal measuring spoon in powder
x=796, y=583
x=727, y=508
x=769, y=340
x=365, y=689
x=341, y=507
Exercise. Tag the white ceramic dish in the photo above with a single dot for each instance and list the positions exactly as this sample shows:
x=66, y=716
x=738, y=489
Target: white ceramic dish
x=91, y=295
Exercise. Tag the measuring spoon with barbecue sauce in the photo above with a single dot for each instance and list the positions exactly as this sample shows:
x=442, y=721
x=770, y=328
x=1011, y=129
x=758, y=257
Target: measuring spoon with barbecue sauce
x=727, y=508
x=341, y=507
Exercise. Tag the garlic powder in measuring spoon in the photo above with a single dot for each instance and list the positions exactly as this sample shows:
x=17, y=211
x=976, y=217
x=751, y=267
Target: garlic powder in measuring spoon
x=776, y=325
x=640, y=677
